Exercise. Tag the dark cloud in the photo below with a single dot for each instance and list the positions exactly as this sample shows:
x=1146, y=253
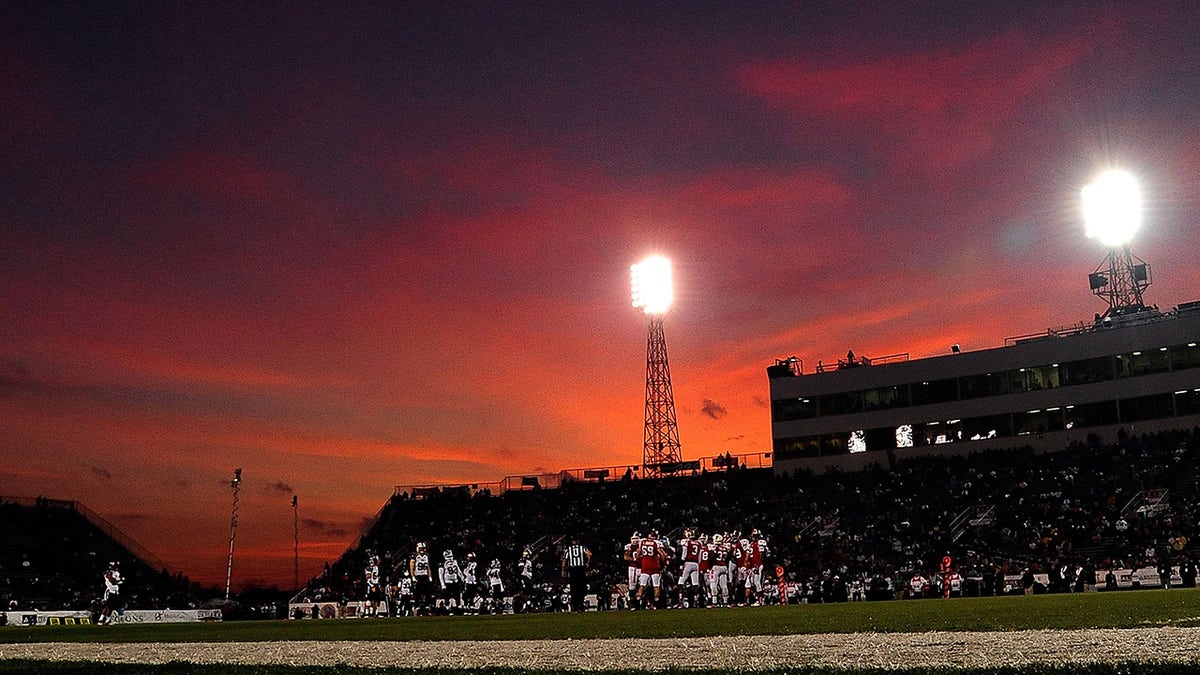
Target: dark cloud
x=713, y=409
x=325, y=528
x=101, y=472
x=280, y=487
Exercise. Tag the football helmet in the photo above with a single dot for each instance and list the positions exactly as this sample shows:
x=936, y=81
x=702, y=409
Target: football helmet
x=420, y=547
x=635, y=537
x=703, y=538
x=688, y=533
x=470, y=556
x=448, y=554
x=495, y=564
x=718, y=538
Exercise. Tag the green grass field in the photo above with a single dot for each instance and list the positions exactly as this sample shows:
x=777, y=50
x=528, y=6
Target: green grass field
x=1179, y=608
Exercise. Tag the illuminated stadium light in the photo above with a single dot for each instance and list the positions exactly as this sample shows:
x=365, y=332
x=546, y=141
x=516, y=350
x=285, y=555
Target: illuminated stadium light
x=652, y=292
x=1112, y=214
x=1112, y=208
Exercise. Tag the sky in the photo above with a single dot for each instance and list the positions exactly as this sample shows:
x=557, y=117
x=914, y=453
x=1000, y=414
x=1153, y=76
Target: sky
x=347, y=247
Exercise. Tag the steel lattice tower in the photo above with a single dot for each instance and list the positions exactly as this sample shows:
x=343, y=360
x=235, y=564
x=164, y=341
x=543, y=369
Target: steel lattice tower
x=662, y=433
x=1120, y=281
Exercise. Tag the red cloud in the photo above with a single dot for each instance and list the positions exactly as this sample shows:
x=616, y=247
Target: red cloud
x=947, y=107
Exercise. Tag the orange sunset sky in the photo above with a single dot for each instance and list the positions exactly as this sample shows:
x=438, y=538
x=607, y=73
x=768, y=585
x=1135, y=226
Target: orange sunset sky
x=352, y=247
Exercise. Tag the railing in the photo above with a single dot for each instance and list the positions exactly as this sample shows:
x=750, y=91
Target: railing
x=852, y=361
x=551, y=481
x=982, y=514
x=1146, y=503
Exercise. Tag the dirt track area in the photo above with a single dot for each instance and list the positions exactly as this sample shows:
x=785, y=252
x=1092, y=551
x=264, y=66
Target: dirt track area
x=742, y=652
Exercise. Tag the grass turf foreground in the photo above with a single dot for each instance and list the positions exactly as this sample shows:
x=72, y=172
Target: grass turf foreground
x=87, y=668
x=1129, y=609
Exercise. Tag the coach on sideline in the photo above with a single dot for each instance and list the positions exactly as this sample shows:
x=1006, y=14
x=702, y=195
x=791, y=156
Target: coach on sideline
x=575, y=560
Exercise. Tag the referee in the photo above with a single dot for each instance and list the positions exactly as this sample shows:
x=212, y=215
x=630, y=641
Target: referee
x=575, y=560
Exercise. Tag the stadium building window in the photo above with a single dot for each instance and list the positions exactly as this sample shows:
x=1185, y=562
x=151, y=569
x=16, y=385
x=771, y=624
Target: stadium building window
x=936, y=391
x=1038, y=421
x=1092, y=414
x=978, y=386
x=1142, y=363
x=1187, y=402
x=904, y=436
x=886, y=397
x=1142, y=408
x=881, y=439
x=987, y=426
x=788, y=409
x=856, y=442
x=833, y=444
x=1042, y=377
x=1099, y=369
x=840, y=404
x=1185, y=356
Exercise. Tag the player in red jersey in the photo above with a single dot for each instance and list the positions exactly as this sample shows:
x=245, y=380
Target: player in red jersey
x=705, y=565
x=718, y=579
x=651, y=558
x=758, y=554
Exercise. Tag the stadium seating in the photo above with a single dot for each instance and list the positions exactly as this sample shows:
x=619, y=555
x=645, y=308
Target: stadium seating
x=993, y=513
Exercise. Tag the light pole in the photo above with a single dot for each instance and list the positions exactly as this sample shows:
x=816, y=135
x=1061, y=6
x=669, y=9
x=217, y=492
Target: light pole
x=236, y=484
x=296, y=541
x=1112, y=213
x=653, y=294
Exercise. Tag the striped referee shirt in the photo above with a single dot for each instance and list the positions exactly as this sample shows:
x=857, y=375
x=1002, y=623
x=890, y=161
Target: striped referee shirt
x=576, y=555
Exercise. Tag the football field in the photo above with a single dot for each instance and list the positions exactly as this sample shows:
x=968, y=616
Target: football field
x=1096, y=632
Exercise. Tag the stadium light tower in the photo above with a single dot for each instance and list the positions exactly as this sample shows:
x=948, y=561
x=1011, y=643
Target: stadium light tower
x=296, y=541
x=652, y=293
x=1112, y=213
x=236, y=484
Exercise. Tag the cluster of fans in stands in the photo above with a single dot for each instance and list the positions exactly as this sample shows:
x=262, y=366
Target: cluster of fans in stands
x=1063, y=519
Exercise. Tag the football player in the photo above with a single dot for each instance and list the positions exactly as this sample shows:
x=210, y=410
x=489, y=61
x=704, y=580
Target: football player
x=112, y=594
x=495, y=587
x=450, y=578
x=374, y=591
x=470, y=584
x=632, y=565
x=718, y=582
x=651, y=557
x=422, y=573
x=689, y=575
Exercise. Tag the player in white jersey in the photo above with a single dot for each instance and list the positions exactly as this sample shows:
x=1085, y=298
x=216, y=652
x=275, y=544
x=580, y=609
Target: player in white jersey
x=495, y=587
x=450, y=577
x=632, y=565
x=374, y=590
x=406, y=589
x=112, y=594
x=470, y=584
x=689, y=576
x=422, y=574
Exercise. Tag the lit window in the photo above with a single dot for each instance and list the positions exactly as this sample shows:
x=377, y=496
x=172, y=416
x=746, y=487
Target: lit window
x=858, y=441
x=904, y=436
